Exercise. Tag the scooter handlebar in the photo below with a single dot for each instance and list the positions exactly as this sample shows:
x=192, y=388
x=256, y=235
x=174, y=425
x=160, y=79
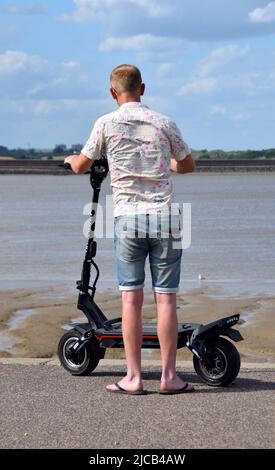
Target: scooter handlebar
x=66, y=166
x=99, y=169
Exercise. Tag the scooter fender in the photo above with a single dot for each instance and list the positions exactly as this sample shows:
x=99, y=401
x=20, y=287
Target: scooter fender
x=221, y=327
x=87, y=333
x=83, y=328
x=233, y=334
x=215, y=328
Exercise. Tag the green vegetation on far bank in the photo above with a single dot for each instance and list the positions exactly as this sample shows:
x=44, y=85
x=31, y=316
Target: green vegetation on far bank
x=60, y=151
x=234, y=155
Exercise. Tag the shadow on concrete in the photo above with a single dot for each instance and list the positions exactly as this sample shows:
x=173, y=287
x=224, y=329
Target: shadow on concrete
x=241, y=384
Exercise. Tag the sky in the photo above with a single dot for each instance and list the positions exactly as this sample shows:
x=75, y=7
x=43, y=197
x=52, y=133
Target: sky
x=207, y=64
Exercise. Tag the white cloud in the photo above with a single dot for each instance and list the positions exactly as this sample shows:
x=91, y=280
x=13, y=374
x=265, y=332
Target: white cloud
x=160, y=103
x=25, y=75
x=263, y=15
x=271, y=78
x=153, y=8
x=131, y=43
x=217, y=110
x=71, y=64
x=221, y=56
x=88, y=10
x=47, y=107
x=56, y=84
x=25, y=10
x=32, y=108
x=164, y=69
x=203, y=81
x=68, y=121
x=8, y=31
x=235, y=115
x=199, y=85
x=241, y=116
x=142, y=43
x=35, y=89
x=12, y=62
x=222, y=19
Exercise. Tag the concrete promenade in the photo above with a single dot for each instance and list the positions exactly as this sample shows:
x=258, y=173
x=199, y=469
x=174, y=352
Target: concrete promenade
x=43, y=406
x=51, y=167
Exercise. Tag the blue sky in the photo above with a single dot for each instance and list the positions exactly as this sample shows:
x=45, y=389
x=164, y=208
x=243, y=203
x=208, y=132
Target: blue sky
x=208, y=64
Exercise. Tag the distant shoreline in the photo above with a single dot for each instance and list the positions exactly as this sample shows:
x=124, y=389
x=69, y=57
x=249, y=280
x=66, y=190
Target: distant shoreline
x=50, y=167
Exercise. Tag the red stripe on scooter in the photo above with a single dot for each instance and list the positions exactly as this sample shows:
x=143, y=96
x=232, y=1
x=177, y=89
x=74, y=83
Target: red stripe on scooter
x=107, y=336
x=115, y=336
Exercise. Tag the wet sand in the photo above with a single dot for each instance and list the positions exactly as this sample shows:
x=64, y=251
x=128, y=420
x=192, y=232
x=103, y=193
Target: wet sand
x=32, y=322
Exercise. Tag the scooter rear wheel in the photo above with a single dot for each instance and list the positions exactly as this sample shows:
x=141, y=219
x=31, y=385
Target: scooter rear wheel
x=220, y=363
x=81, y=363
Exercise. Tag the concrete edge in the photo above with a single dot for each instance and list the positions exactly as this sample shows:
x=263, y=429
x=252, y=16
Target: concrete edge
x=29, y=361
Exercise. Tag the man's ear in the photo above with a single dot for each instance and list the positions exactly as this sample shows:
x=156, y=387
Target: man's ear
x=113, y=93
x=142, y=89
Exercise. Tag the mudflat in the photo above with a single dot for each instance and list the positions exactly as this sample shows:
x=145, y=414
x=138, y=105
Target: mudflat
x=32, y=321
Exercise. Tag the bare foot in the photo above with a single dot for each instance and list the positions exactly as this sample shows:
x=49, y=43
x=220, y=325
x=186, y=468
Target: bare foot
x=176, y=384
x=127, y=384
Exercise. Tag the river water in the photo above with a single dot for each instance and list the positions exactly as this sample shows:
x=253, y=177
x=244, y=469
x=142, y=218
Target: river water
x=232, y=243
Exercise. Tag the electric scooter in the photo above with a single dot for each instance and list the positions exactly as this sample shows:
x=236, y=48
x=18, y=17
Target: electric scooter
x=216, y=360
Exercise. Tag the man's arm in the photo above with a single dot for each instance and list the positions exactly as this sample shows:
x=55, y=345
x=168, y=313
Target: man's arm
x=91, y=151
x=181, y=161
x=79, y=163
x=187, y=165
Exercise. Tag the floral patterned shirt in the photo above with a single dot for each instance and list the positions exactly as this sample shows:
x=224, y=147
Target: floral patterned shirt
x=139, y=144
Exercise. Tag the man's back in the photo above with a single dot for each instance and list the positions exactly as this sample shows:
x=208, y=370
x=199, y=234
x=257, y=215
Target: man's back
x=139, y=144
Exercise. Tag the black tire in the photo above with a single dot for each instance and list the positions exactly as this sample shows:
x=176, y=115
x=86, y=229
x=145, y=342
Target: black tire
x=82, y=363
x=220, y=364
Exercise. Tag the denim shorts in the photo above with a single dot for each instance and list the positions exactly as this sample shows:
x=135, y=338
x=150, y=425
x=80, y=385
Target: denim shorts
x=139, y=236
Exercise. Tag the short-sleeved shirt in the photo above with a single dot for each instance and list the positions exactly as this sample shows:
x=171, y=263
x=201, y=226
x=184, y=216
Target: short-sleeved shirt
x=138, y=144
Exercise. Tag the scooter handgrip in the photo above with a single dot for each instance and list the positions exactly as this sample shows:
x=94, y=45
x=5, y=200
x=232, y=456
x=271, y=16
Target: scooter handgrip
x=66, y=166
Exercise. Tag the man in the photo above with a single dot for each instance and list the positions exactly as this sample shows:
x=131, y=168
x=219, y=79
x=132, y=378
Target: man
x=141, y=146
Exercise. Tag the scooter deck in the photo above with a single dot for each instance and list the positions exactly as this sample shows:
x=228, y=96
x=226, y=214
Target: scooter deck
x=113, y=337
x=148, y=329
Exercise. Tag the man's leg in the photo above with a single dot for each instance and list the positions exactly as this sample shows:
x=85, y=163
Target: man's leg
x=168, y=337
x=132, y=338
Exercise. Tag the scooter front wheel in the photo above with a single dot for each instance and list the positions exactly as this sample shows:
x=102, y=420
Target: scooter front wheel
x=220, y=363
x=80, y=363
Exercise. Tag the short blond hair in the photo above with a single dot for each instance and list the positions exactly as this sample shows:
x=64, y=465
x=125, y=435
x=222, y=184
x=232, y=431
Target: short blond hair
x=126, y=78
